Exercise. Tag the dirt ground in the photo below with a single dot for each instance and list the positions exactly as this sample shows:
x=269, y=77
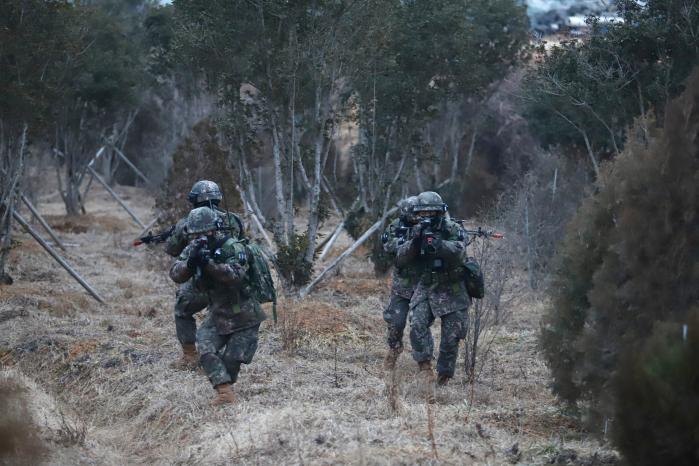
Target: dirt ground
x=99, y=388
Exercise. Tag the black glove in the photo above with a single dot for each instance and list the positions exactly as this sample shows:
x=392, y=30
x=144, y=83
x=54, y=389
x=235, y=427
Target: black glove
x=192, y=262
x=198, y=258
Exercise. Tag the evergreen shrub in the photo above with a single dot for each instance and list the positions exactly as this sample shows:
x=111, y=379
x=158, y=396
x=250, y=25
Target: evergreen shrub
x=630, y=258
x=657, y=397
x=199, y=157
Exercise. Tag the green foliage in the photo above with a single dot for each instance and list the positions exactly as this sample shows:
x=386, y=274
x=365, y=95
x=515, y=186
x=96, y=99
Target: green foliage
x=599, y=84
x=657, y=397
x=291, y=265
x=629, y=258
x=412, y=59
x=34, y=38
x=199, y=157
x=357, y=222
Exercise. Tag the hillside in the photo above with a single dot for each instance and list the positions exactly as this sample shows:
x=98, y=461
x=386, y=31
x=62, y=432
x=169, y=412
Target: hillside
x=315, y=393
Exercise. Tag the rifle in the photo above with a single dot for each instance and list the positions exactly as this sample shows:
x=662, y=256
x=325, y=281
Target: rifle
x=483, y=233
x=151, y=238
x=427, y=236
x=201, y=249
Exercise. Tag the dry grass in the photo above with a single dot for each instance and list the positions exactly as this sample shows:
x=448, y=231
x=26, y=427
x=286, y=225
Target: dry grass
x=315, y=393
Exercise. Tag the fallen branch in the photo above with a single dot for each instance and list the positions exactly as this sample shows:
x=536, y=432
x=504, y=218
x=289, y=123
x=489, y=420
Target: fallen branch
x=255, y=218
x=347, y=252
x=331, y=241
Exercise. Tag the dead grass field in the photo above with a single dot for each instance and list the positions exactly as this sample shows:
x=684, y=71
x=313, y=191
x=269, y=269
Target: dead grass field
x=101, y=391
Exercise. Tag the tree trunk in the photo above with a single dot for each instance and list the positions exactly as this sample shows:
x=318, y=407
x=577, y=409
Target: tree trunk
x=11, y=173
x=280, y=229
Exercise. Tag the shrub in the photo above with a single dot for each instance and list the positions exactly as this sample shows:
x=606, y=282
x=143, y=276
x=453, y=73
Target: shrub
x=657, y=393
x=199, y=157
x=359, y=221
x=629, y=258
x=291, y=265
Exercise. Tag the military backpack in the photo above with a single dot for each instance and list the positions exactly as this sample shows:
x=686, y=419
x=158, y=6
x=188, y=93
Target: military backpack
x=260, y=277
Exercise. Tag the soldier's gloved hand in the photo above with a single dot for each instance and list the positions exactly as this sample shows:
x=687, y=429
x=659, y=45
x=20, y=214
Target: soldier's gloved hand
x=436, y=244
x=204, y=256
x=192, y=263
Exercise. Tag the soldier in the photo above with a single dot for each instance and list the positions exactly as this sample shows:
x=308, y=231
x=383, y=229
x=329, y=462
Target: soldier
x=218, y=266
x=403, y=282
x=437, y=250
x=188, y=300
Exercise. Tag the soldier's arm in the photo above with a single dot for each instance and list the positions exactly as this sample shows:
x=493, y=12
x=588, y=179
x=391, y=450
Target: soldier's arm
x=392, y=242
x=177, y=242
x=230, y=272
x=407, y=252
x=451, y=248
x=180, y=272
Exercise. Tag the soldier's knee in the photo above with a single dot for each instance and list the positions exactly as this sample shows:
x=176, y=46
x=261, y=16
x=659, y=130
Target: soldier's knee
x=207, y=359
x=419, y=326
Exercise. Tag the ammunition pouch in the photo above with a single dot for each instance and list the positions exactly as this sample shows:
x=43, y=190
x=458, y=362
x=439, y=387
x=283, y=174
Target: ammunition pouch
x=472, y=276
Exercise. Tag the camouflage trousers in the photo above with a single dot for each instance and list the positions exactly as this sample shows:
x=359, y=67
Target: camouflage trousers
x=222, y=355
x=454, y=326
x=396, y=315
x=188, y=302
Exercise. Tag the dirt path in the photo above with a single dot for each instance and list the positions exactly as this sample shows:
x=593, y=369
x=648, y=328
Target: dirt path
x=315, y=393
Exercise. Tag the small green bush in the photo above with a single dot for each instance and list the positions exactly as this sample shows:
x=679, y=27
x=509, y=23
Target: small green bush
x=291, y=265
x=199, y=157
x=357, y=222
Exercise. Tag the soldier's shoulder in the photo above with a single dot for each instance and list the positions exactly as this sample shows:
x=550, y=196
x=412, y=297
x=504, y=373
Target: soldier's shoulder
x=452, y=226
x=232, y=246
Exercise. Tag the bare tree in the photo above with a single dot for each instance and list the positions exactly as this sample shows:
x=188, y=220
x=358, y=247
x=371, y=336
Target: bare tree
x=13, y=143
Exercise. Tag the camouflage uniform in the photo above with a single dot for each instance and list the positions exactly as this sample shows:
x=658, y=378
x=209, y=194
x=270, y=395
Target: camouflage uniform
x=403, y=283
x=228, y=336
x=440, y=292
x=189, y=300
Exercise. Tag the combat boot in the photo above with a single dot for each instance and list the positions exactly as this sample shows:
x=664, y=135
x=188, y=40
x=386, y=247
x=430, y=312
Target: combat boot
x=427, y=380
x=189, y=359
x=442, y=380
x=224, y=395
x=389, y=362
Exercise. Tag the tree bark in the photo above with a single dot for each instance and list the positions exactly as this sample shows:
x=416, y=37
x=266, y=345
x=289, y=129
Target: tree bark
x=281, y=226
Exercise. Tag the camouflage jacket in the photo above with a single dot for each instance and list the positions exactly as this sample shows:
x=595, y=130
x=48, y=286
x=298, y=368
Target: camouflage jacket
x=225, y=280
x=441, y=274
x=177, y=241
x=404, y=278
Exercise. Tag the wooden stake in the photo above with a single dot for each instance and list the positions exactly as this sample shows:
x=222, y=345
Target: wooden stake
x=55, y=255
x=43, y=223
x=347, y=252
x=148, y=227
x=115, y=196
x=128, y=162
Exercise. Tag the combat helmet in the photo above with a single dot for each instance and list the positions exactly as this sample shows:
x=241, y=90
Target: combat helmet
x=205, y=191
x=406, y=209
x=429, y=201
x=201, y=220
